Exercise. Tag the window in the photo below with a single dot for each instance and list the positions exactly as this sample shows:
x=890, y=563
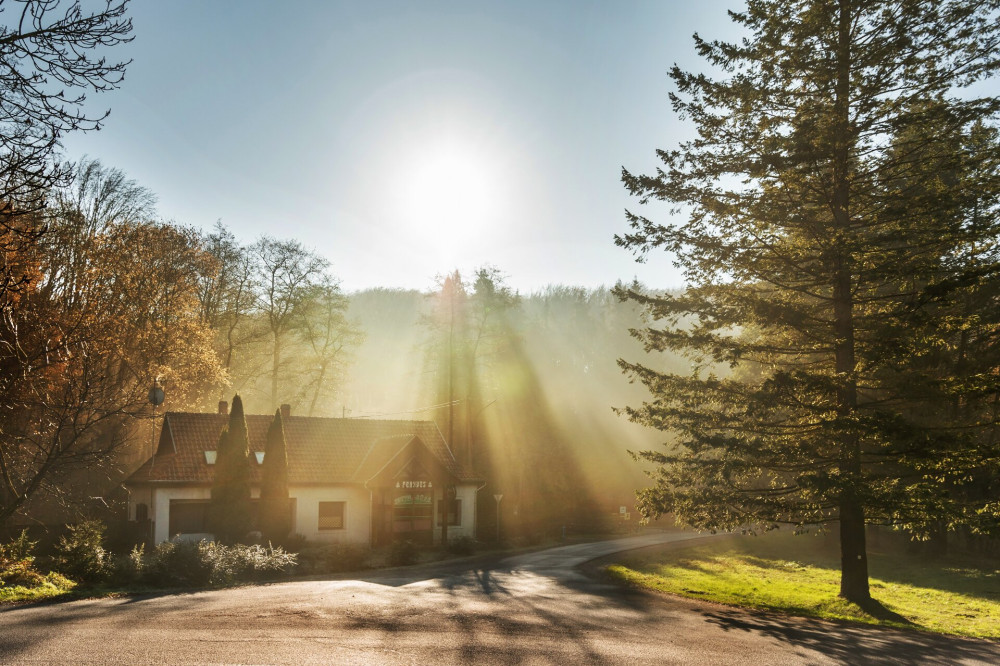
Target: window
x=210, y=457
x=331, y=515
x=141, y=512
x=188, y=516
x=454, y=512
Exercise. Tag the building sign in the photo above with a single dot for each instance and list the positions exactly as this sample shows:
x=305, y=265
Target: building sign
x=414, y=485
x=408, y=500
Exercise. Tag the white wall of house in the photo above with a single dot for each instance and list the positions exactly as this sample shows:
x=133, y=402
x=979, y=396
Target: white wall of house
x=467, y=528
x=137, y=496
x=357, y=513
x=160, y=511
x=159, y=507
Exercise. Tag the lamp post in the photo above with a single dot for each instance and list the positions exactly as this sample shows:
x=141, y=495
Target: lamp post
x=155, y=399
x=498, y=497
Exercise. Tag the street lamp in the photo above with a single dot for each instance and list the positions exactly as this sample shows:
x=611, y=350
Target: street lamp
x=155, y=399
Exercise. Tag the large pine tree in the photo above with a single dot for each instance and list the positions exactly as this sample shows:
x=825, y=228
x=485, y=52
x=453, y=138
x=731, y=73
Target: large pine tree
x=817, y=248
x=229, y=511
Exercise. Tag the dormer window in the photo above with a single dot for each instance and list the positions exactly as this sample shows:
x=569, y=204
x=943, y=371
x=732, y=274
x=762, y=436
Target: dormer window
x=210, y=457
x=260, y=457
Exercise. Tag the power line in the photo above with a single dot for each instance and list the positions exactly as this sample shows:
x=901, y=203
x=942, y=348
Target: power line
x=411, y=411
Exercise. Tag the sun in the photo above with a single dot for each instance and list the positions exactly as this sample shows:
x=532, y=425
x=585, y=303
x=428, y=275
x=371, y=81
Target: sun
x=450, y=196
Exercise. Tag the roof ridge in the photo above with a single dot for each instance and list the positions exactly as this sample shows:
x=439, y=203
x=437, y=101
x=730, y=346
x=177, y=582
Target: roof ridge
x=320, y=448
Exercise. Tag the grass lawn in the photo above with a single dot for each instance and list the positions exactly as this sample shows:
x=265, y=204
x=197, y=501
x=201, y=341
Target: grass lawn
x=800, y=575
x=54, y=586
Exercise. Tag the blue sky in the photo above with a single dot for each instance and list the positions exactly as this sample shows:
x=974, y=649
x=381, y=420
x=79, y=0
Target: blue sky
x=402, y=140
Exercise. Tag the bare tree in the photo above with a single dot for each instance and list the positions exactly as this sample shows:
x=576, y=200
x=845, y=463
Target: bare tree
x=228, y=296
x=51, y=56
x=328, y=337
x=287, y=273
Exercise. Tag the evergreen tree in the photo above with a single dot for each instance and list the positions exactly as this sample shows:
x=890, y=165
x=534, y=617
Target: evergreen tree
x=275, y=519
x=229, y=515
x=809, y=265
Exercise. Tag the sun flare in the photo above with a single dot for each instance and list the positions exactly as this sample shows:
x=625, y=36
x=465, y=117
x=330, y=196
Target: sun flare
x=451, y=195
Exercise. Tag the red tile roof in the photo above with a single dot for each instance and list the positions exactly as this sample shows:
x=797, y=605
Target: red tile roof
x=320, y=450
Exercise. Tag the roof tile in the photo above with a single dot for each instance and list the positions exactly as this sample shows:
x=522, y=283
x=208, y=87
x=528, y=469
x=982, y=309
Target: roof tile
x=320, y=450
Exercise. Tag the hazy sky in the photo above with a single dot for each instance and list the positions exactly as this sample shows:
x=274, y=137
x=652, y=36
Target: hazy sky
x=404, y=139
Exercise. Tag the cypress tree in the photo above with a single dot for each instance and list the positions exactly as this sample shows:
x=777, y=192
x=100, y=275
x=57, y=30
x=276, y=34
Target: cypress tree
x=812, y=241
x=229, y=515
x=275, y=518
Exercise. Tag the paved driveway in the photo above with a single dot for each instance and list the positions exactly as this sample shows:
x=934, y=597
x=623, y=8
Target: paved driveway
x=533, y=608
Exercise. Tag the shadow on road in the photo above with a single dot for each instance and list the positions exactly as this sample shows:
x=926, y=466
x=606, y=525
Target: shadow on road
x=857, y=644
x=482, y=610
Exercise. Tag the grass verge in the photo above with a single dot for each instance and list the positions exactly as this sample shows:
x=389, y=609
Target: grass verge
x=53, y=586
x=800, y=575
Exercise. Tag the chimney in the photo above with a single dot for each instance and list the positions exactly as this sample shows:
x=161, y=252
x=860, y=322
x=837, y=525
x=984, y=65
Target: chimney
x=223, y=407
x=286, y=411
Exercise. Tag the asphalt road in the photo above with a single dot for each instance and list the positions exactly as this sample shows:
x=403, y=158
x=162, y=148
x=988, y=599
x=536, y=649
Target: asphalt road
x=533, y=609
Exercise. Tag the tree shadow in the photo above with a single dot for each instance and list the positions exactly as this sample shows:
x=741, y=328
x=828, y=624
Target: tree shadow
x=855, y=643
x=875, y=608
x=485, y=611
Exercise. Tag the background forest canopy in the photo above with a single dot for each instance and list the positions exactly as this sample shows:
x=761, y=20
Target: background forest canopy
x=117, y=298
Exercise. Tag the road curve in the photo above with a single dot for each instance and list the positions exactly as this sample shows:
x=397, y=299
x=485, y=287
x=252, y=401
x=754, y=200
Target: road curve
x=533, y=609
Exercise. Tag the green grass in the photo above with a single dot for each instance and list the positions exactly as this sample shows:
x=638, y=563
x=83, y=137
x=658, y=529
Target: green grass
x=800, y=575
x=53, y=586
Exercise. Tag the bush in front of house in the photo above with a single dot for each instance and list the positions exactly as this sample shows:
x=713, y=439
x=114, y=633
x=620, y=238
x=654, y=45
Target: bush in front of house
x=174, y=564
x=17, y=564
x=316, y=559
x=462, y=546
x=239, y=563
x=206, y=563
x=19, y=578
x=81, y=557
x=129, y=569
x=80, y=553
x=403, y=553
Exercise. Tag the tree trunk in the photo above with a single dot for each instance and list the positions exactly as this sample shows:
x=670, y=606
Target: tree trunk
x=853, y=556
x=319, y=387
x=275, y=364
x=853, y=553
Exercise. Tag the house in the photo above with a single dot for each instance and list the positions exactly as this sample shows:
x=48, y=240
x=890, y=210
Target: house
x=350, y=480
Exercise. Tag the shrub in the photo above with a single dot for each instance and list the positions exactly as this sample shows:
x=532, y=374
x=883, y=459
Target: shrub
x=20, y=548
x=81, y=554
x=51, y=585
x=293, y=543
x=239, y=563
x=19, y=579
x=190, y=564
x=176, y=564
x=17, y=563
x=129, y=569
x=462, y=546
x=331, y=558
x=402, y=553
x=20, y=572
